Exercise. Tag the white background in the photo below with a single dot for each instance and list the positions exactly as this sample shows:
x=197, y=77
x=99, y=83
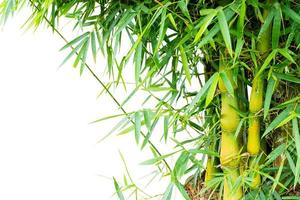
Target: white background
x=48, y=149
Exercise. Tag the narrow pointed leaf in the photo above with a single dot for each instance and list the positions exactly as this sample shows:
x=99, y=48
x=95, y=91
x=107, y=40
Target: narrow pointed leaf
x=225, y=30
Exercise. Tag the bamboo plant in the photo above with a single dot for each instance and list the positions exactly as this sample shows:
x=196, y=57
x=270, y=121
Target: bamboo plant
x=224, y=74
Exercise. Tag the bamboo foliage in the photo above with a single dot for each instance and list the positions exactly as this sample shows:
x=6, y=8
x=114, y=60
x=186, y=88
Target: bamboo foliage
x=224, y=74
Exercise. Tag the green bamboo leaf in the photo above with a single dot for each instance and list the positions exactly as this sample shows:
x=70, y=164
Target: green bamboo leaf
x=140, y=36
x=81, y=53
x=147, y=118
x=200, y=94
x=207, y=11
x=93, y=45
x=215, y=29
x=241, y=20
x=209, y=37
x=185, y=64
x=110, y=61
x=74, y=41
x=287, y=77
x=286, y=54
x=84, y=55
x=296, y=138
x=125, y=20
x=73, y=52
x=211, y=91
x=278, y=175
x=239, y=128
x=118, y=190
x=122, y=122
x=108, y=117
x=225, y=30
x=204, y=151
x=147, y=137
x=268, y=97
x=268, y=60
x=162, y=31
x=266, y=24
x=280, y=120
x=181, y=164
x=166, y=127
x=275, y=153
x=205, y=23
x=182, y=190
x=292, y=14
x=168, y=192
x=137, y=129
x=170, y=16
x=138, y=62
x=158, y=159
x=183, y=7
x=238, y=49
x=271, y=178
x=276, y=28
x=227, y=82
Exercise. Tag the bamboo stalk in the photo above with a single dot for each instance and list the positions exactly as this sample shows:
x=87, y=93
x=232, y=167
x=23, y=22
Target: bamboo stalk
x=255, y=106
x=230, y=145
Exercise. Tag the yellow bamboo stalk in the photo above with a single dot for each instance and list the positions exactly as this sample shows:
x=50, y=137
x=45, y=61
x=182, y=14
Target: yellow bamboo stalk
x=230, y=145
x=255, y=106
x=231, y=175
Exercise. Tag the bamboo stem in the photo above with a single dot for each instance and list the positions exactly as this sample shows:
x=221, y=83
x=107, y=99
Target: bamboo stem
x=230, y=145
x=255, y=106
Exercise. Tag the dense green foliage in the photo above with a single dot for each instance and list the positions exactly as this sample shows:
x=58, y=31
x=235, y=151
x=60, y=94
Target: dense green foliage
x=223, y=48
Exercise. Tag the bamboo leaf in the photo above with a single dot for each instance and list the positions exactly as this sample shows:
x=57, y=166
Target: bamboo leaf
x=182, y=190
x=266, y=24
x=225, y=30
x=138, y=62
x=278, y=174
x=93, y=45
x=276, y=29
x=296, y=138
x=109, y=59
x=84, y=55
x=206, y=22
x=212, y=90
x=201, y=92
x=137, y=129
x=81, y=53
x=292, y=14
x=166, y=127
x=286, y=54
x=170, y=16
x=241, y=20
x=280, y=120
x=74, y=41
x=268, y=60
x=181, y=164
x=118, y=189
x=162, y=31
x=73, y=52
x=287, y=77
x=183, y=7
x=268, y=97
x=168, y=192
x=147, y=118
x=158, y=159
x=275, y=153
x=185, y=64
x=150, y=130
x=227, y=82
x=124, y=21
